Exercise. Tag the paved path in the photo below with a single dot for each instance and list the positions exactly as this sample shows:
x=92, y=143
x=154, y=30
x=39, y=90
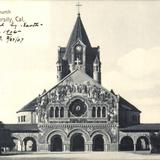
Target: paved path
x=83, y=156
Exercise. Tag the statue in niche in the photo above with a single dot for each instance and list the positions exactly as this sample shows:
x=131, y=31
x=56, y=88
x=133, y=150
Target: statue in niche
x=42, y=115
x=41, y=107
x=46, y=116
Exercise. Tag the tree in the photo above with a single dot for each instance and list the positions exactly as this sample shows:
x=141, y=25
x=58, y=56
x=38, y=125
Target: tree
x=5, y=138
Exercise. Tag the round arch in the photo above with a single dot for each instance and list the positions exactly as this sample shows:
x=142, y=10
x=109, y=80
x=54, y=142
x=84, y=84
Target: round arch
x=77, y=142
x=106, y=136
x=56, y=144
x=56, y=132
x=126, y=144
x=56, y=140
x=84, y=134
x=98, y=143
x=78, y=139
x=142, y=143
x=30, y=144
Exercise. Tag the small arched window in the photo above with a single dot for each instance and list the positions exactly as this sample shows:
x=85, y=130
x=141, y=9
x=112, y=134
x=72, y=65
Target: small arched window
x=93, y=112
x=57, y=112
x=104, y=112
x=62, y=112
x=51, y=112
x=98, y=112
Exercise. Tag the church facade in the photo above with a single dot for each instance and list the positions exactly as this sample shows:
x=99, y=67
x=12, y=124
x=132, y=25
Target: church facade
x=79, y=114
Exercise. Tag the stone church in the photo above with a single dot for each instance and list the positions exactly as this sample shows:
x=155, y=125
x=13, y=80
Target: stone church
x=78, y=113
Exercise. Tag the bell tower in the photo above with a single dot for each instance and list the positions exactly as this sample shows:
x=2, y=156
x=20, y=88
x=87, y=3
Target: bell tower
x=79, y=54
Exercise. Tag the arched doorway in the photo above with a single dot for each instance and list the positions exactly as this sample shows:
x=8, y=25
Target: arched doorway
x=30, y=144
x=98, y=143
x=126, y=144
x=77, y=142
x=142, y=143
x=56, y=143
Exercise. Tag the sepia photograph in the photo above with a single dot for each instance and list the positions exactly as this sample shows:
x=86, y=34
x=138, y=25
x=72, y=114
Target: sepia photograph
x=79, y=79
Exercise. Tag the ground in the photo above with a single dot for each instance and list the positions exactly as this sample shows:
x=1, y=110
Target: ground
x=82, y=156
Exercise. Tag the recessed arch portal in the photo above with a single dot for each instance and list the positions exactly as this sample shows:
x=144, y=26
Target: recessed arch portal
x=126, y=144
x=56, y=143
x=98, y=143
x=77, y=142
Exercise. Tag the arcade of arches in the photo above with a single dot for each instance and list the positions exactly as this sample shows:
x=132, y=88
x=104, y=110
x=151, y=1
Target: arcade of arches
x=80, y=141
x=28, y=144
x=141, y=143
x=77, y=141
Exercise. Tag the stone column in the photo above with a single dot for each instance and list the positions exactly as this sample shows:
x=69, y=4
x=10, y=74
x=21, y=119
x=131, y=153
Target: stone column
x=88, y=146
x=134, y=147
x=106, y=147
x=66, y=146
x=101, y=112
x=22, y=146
x=90, y=113
x=53, y=112
x=106, y=114
x=59, y=113
x=65, y=113
x=95, y=112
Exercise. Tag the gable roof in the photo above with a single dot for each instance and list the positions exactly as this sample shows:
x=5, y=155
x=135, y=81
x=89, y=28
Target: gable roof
x=127, y=105
x=146, y=127
x=78, y=33
x=31, y=106
x=77, y=76
x=22, y=127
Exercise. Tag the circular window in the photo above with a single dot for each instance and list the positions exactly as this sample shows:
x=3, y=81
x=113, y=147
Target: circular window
x=78, y=48
x=77, y=108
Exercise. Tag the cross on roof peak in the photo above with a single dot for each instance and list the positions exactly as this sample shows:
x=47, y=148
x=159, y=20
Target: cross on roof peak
x=78, y=5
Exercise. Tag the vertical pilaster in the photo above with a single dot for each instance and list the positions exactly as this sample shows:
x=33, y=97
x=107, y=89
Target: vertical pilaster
x=54, y=112
x=65, y=113
x=134, y=147
x=101, y=112
x=95, y=112
x=88, y=146
x=59, y=112
x=66, y=146
x=90, y=112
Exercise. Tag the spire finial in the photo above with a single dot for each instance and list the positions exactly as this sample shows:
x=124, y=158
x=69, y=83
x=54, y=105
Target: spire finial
x=78, y=5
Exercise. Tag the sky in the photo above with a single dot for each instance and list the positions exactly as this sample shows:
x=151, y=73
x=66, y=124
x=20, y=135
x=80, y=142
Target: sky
x=128, y=35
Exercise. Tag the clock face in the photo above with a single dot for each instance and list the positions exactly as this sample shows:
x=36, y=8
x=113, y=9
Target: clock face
x=78, y=48
x=77, y=108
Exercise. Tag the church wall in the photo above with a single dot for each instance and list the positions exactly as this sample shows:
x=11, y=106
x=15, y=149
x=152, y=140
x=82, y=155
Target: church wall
x=112, y=147
x=88, y=131
x=26, y=117
x=128, y=117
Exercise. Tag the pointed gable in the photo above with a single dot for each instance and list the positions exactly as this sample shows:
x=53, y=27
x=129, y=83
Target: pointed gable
x=77, y=77
x=78, y=33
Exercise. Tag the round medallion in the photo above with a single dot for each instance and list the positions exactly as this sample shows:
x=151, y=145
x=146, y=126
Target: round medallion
x=77, y=108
